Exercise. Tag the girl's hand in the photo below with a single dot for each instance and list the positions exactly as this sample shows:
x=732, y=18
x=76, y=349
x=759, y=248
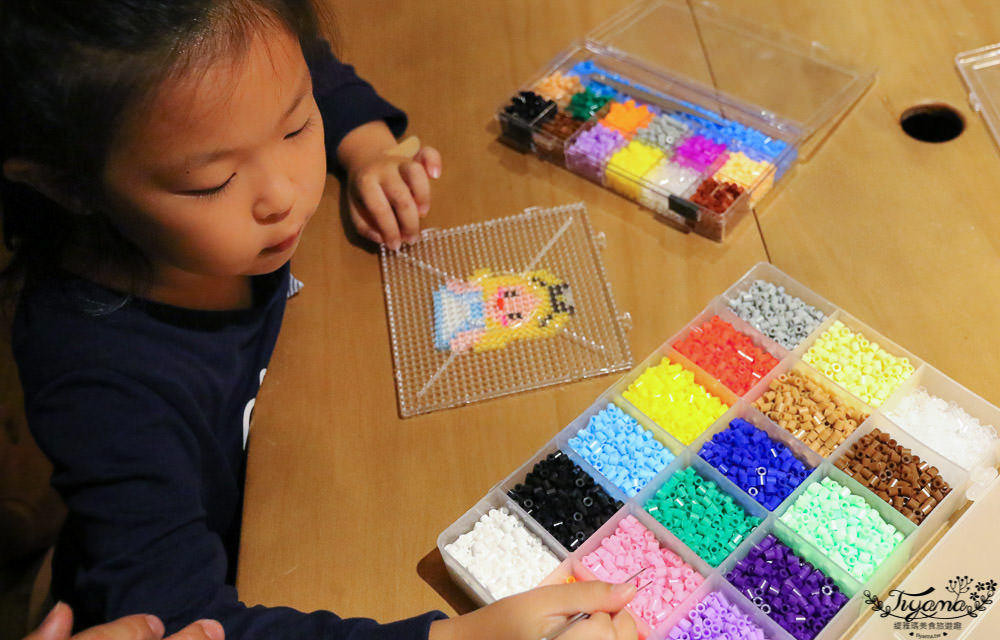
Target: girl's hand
x=58, y=625
x=388, y=193
x=535, y=614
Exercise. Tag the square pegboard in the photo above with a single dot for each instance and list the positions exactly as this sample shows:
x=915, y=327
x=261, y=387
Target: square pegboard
x=493, y=308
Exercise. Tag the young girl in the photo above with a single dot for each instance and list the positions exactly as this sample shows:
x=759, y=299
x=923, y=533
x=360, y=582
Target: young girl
x=161, y=161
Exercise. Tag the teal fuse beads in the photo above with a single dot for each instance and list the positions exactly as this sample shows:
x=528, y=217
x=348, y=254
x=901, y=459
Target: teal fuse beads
x=704, y=517
x=843, y=526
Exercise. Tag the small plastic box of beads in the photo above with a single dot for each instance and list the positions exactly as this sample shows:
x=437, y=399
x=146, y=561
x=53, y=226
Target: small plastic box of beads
x=769, y=465
x=692, y=114
x=980, y=69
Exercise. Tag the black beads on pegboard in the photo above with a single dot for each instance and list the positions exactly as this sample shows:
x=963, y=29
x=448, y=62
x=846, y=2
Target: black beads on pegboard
x=564, y=499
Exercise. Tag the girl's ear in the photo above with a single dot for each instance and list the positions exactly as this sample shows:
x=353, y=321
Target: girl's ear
x=43, y=180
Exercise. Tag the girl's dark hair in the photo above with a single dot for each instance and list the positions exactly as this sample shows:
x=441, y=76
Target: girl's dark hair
x=71, y=72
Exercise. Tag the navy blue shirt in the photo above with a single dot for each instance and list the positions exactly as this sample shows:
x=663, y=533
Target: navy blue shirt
x=143, y=410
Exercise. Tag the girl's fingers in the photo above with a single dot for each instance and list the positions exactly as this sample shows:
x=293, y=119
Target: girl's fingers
x=430, y=158
x=415, y=176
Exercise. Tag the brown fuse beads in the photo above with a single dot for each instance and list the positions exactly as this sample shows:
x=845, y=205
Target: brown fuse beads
x=809, y=412
x=715, y=195
x=895, y=474
x=550, y=142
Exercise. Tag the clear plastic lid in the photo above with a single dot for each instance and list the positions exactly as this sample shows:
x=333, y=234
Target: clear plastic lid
x=789, y=82
x=980, y=68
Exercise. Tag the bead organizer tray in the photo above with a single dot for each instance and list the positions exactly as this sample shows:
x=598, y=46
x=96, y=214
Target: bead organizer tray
x=788, y=504
x=507, y=305
x=980, y=69
x=690, y=113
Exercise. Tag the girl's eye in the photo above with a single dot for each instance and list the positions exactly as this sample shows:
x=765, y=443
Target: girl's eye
x=211, y=191
x=299, y=130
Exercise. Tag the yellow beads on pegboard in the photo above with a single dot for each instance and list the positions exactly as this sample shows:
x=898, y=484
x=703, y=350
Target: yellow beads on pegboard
x=862, y=367
x=628, y=165
x=668, y=393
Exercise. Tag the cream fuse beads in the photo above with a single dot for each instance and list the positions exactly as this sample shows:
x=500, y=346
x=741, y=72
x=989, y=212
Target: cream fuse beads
x=490, y=310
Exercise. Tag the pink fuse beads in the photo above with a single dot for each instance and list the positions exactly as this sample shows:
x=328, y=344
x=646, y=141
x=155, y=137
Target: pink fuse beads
x=633, y=547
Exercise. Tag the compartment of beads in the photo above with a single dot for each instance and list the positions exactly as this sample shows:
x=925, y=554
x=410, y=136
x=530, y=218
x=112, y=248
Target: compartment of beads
x=701, y=508
x=846, y=530
x=690, y=137
x=631, y=541
x=859, y=359
x=674, y=394
x=496, y=550
x=792, y=499
x=568, y=501
x=946, y=417
x=765, y=461
x=917, y=481
x=778, y=306
x=727, y=348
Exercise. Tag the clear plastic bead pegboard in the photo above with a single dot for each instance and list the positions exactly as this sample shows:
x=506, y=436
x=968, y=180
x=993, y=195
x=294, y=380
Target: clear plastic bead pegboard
x=498, y=307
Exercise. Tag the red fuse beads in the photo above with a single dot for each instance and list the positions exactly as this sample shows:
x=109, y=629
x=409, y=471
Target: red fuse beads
x=730, y=356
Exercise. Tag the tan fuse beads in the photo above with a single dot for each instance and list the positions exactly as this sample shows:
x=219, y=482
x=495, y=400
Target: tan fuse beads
x=808, y=411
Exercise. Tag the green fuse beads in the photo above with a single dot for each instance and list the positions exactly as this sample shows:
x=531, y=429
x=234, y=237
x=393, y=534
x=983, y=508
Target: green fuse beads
x=704, y=517
x=844, y=527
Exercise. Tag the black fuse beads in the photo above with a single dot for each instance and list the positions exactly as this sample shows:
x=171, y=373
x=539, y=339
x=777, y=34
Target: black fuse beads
x=564, y=499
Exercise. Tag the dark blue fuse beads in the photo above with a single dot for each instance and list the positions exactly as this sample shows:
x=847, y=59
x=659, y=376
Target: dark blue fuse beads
x=764, y=468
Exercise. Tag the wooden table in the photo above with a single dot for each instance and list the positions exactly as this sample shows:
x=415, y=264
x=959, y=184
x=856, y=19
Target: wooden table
x=345, y=500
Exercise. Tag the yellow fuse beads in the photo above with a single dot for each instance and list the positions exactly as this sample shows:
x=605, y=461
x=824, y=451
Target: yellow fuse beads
x=628, y=165
x=668, y=394
x=857, y=364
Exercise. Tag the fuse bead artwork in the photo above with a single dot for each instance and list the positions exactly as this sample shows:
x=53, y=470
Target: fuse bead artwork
x=490, y=310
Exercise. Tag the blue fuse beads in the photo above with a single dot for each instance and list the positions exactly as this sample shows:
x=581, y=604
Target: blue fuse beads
x=764, y=468
x=621, y=449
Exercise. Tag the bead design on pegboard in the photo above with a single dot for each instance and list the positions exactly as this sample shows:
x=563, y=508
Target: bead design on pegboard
x=490, y=310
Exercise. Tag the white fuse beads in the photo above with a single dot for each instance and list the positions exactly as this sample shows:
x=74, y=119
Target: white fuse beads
x=503, y=555
x=946, y=427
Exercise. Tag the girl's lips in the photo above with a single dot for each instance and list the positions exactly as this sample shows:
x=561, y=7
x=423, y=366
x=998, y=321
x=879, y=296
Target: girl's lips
x=285, y=244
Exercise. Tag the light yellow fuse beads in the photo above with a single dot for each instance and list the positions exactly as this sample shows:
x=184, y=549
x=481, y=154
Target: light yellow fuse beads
x=857, y=364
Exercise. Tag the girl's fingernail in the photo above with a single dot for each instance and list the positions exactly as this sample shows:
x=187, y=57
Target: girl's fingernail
x=435, y=172
x=155, y=625
x=50, y=617
x=625, y=588
x=212, y=629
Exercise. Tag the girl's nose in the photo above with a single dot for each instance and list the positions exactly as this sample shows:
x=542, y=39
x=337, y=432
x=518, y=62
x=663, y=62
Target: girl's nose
x=275, y=199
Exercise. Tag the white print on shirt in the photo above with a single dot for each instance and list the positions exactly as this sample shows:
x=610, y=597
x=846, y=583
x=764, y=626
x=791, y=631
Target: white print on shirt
x=248, y=410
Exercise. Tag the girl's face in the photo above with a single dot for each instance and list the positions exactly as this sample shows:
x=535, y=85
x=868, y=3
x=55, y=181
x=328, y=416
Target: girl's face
x=219, y=176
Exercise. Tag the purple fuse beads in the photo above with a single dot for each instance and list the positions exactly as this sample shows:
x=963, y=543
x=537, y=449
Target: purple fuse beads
x=796, y=595
x=589, y=152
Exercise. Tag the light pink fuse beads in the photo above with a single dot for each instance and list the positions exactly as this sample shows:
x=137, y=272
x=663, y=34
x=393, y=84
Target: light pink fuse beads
x=633, y=547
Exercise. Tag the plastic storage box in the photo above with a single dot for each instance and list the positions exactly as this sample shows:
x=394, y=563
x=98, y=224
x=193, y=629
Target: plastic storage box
x=691, y=114
x=913, y=534
x=980, y=69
